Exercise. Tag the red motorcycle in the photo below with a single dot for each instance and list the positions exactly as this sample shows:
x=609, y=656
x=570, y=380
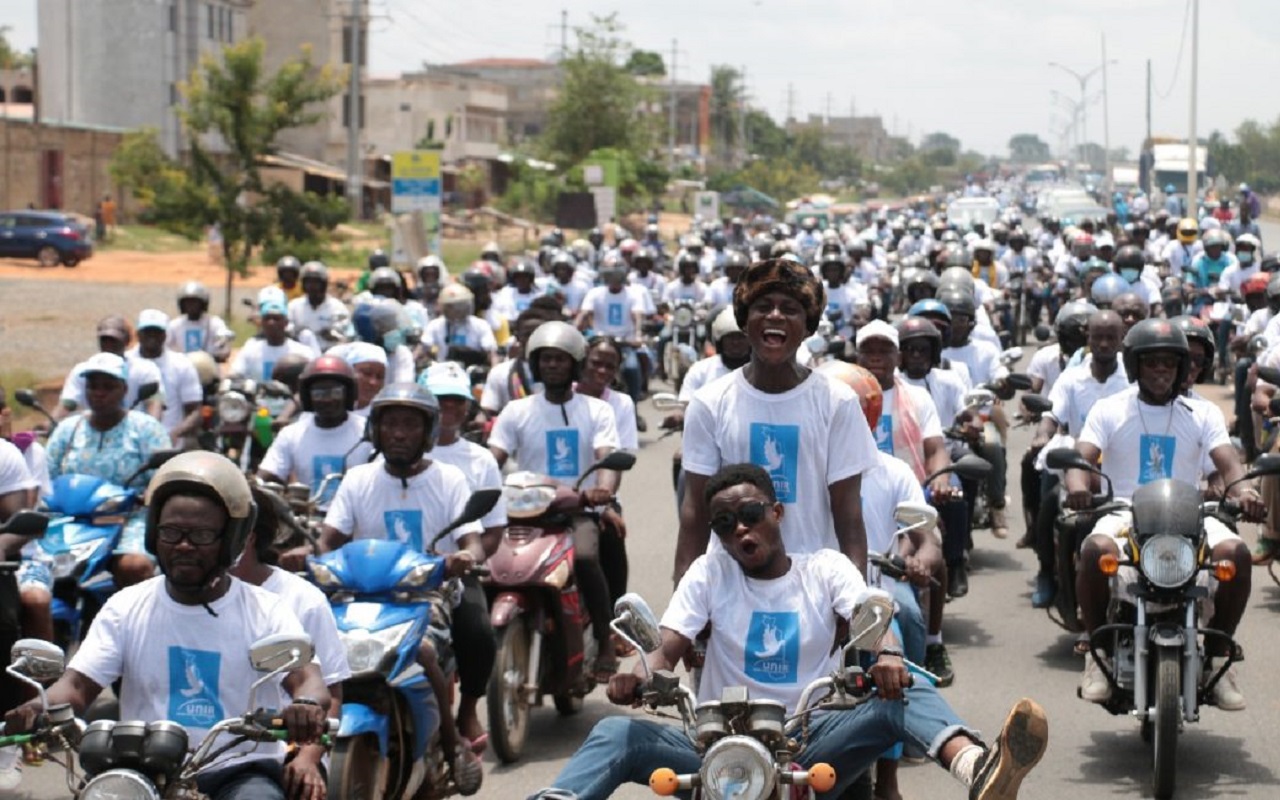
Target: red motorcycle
x=535, y=607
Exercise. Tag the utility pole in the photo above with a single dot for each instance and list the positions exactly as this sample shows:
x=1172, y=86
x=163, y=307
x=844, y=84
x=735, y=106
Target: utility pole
x=791, y=102
x=1192, y=172
x=355, y=193
x=1106, y=122
x=828, y=108
x=1148, y=101
x=564, y=34
x=743, y=147
x=671, y=125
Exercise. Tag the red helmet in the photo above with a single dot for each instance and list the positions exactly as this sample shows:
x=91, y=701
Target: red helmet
x=328, y=368
x=863, y=384
x=1256, y=284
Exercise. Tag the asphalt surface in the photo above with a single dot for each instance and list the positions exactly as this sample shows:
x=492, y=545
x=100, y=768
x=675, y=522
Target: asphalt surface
x=1002, y=649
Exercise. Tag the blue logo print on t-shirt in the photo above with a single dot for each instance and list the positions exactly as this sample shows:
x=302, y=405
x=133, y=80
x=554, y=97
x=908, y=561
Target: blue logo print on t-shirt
x=884, y=434
x=1155, y=457
x=193, y=687
x=613, y=314
x=193, y=340
x=404, y=525
x=777, y=449
x=267, y=368
x=322, y=466
x=562, y=453
x=772, y=653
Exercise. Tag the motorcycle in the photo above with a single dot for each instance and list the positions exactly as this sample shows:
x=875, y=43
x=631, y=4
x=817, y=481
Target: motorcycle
x=748, y=746
x=385, y=596
x=136, y=759
x=241, y=424
x=535, y=607
x=688, y=324
x=1155, y=639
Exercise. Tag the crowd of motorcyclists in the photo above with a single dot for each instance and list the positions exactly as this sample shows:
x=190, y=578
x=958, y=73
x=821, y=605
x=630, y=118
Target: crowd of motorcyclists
x=826, y=374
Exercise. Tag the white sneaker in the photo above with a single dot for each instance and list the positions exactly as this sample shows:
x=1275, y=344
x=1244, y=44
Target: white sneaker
x=1094, y=686
x=1226, y=692
x=10, y=768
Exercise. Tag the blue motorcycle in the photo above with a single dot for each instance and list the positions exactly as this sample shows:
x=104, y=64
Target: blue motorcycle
x=90, y=516
x=385, y=597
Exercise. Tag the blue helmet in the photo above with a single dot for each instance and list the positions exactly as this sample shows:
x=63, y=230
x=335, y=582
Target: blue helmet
x=379, y=321
x=929, y=306
x=1107, y=288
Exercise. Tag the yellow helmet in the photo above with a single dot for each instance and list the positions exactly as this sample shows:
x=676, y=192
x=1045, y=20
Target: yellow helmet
x=1188, y=230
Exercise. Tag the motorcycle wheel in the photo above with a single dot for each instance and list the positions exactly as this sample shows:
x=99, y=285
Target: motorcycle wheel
x=508, y=711
x=1164, y=761
x=357, y=770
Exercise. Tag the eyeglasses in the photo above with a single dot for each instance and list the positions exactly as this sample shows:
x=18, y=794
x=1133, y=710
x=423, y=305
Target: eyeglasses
x=321, y=393
x=748, y=514
x=171, y=534
x=917, y=349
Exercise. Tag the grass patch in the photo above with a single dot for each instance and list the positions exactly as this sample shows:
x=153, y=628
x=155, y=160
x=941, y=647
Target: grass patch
x=147, y=239
x=18, y=378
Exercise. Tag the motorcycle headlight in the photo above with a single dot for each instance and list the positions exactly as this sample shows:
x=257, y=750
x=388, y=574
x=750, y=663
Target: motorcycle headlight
x=682, y=317
x=419, y=576
x=66, y=564
x=1168, y=561
x=233, y=408
x=559, y=575
x=366, y=650
x=528, y=501
x=111, y=506
x=119, y=784
x=324, y=577
x=737, y=768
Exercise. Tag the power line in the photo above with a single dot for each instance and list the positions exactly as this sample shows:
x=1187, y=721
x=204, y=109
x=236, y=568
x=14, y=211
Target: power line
x=1177, y=64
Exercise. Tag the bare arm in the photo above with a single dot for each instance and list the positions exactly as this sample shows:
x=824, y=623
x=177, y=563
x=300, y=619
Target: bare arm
x=1078, y=481
x=695, y=528
x=72, y=688
x=331, y=539
x=846, y=511
x=500, y=454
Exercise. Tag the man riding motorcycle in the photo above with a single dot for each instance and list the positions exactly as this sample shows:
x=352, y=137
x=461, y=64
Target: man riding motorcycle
x=316, y=310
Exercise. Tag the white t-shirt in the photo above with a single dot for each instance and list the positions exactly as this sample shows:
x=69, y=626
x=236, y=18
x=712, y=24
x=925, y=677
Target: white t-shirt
x=1234, y=276
x=1257, y=322
x=947, y=391
x=373, y=504
x=1142, y=443
x=140, y=371
x=473, y=332
x=182, y=663
x=1076, y=392
x=308, y=453
x=312, y=609
x=257, y=359
x=533, y=431
x=806, y=439
x=180, y=380
x=980, y=357
x=773, y=636
x=1046, y=365
x=38, y=465
x=884, y=486
x=209, y=333
x=510, y=302
x=497, y=386
x=14, y=474
x=624, y=416
x=701, y=373
x=480, y=469
x=332, y=314
x=720, y=292
x=926, y=417
x=611, y=312
x=678, y=290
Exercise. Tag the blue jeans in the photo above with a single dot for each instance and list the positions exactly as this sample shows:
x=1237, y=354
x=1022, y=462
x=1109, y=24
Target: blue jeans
x=910, y=621
x=258, y=781
x=626, y=749
x=631, y=375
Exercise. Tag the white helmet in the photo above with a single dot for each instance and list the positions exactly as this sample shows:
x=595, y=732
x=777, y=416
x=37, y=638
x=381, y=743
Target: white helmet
x=723, y=325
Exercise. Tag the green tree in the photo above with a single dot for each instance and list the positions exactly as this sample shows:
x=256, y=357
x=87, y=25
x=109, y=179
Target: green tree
x=726, y=107
x=599, y=104
x=645, y=64
x=940, y=141
x=232, y=104
x=11, y=58
x=764, y=136
x=1028, y=148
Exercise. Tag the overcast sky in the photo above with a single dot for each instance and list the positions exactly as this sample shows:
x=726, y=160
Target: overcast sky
x=977, y=69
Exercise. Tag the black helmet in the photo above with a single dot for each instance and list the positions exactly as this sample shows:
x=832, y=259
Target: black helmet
x=1072, y=322
x=404, y=395
x=378, y=258
x=288, y=370
x=686, y=259
x=832, y=260
x=1155, y=336
x=288, y=264
x=210, y=475
x=911, y=328
x=327, y=367
x=1195, y=329
x=920, y=284
x=1129, y=257
x=958, y=301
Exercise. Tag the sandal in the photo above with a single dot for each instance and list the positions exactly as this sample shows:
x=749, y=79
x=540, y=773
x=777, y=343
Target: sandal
x=468, y=772
x=477, y=745
x=606, y=667
x=1265, y=550
x=1081, y=647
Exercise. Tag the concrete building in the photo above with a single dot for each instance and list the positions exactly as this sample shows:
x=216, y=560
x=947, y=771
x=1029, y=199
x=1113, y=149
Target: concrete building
x=532, y=84
x=118, y=63
x=467, y=116
x=866, y=135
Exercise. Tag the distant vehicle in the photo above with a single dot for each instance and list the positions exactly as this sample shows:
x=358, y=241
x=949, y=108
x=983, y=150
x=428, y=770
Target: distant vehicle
x=50, y=237
x=965, y=211
x=1169, y=160
x=1073, y=214
x=1043, y=173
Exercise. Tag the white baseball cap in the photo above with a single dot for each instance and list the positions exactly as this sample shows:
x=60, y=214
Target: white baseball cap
x=877, y=329
x=105, y=364
x=446, y=379
x=153, y=318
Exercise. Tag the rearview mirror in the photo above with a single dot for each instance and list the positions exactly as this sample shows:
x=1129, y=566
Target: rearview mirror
x=636, y=622
x=618, y=460
x=1011, y=356
x=481, y=502
x=915, y=515
x=971, y=467
x=1258, y=345
x=26, y=397
x=1037, y=403
x=147, y=391
x=160, y=457
x=1066, y=458
x=979, y=397
x=26, y=523
x=817, y=345
x=666, y=401
x=871, y=619
x=281, y=652
x=1269, y=374
x=1264, y=465
x=1043, y=332
x=1019, y=381
x=37, y=659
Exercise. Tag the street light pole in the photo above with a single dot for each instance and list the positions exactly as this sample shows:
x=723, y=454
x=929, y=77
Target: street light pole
x=1083, y=80
x=1193, y=173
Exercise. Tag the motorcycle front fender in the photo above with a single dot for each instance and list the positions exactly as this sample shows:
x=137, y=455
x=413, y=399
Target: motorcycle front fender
x=506, y=607
x=358, y=719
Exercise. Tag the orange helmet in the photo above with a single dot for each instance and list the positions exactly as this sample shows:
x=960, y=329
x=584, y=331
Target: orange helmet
x=863, y=384
x=1256, y=284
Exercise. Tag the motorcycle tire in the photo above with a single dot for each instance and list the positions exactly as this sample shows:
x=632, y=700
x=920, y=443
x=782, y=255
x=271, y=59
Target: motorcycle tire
x=357, y=770
x=1164, y=739
x=508, y=711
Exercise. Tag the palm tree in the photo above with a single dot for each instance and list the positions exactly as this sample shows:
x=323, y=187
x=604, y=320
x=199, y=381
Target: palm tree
x=726, y=104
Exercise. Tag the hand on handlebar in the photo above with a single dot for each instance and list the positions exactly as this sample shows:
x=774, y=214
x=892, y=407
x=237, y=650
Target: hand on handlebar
x=941, y=489
x=891, y=676
x=1252, y=509
x=305, y=722
x=624, y=689
x=22, y=719
x=1079, y=499
x=596, y=496
x=459, y=563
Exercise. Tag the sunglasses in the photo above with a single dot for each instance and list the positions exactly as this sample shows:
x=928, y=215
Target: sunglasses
x=726, y=522
x=323, y=393
x=170, y=534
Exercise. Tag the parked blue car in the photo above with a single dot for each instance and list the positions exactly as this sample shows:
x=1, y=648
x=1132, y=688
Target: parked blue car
x=50, y=237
